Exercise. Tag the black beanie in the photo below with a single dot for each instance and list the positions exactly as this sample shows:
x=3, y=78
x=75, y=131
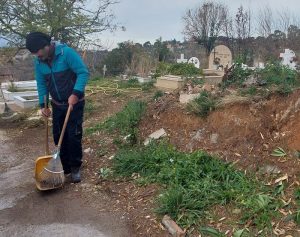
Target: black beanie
x=36, y=41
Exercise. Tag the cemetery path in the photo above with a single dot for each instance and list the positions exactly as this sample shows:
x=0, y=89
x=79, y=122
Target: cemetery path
x=76, y=210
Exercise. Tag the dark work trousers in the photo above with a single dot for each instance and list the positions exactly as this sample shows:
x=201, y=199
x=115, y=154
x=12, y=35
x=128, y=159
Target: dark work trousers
x=71, y=148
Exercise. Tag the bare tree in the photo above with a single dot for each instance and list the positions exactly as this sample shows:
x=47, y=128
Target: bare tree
x=284, y=20
x=205, y=23
x=242, y=23
x=243, y=32
x=265, y=21
x=72, y=21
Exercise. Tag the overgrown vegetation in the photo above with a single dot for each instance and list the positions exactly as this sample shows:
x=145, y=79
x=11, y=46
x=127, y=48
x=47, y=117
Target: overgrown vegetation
x=274, y=77
x=203, y=104
x=124, y=122
x=179, y=69
x=194, y=183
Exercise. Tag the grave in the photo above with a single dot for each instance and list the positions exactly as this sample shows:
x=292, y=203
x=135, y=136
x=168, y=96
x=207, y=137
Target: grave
x=169, y=82
x=9, y=96
x=20, y=85
x=194, y=61
x=182, y=59
x=26, y=102
x=220, y=57
x=143, y=79
x=288, y=58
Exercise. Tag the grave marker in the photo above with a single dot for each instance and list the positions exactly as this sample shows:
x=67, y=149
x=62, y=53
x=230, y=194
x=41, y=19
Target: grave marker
x=288, y=58
x=194, y=61
x=220, y=57
x=182, y=59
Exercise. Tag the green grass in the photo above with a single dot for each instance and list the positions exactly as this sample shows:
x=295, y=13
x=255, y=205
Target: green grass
x=274, y=76
x=124, y=122
x=89, y=107
x=194, y=183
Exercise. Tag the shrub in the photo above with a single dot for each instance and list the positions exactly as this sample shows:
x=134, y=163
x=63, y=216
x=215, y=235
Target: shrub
x=184, y=69
x=203, y=104
x=158, y=94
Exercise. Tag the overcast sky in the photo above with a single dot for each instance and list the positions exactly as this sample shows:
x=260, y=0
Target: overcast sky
x=150, y=19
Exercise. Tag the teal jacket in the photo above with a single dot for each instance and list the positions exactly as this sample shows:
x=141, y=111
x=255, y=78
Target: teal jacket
x=66, y=75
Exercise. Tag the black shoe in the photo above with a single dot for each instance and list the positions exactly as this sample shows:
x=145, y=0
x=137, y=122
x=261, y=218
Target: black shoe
x=75, y=174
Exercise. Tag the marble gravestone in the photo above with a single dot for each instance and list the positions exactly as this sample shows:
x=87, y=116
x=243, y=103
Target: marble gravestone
x=182, y=59
x=194, y=61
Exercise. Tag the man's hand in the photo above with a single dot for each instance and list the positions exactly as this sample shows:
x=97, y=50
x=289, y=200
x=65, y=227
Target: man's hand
x=46, y=112
x=73, y=99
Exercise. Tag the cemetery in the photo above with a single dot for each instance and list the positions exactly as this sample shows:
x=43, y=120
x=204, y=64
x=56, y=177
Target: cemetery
x=193, y=138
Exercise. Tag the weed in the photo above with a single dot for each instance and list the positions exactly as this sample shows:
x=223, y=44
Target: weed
x=249, y=91
x=12, y=87
x=89, y=107
x=105, y=173
x=208, y=231
x=158, y=94
x=148, y=86
x=194, y=183
x=278, y=152
x=161, y=69
x=238, y=76
x=203, y=104
x=124, y=122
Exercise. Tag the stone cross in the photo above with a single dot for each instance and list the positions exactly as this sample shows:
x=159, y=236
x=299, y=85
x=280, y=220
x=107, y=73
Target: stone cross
x=288, y=58
x=182, y=59
x=104, y=70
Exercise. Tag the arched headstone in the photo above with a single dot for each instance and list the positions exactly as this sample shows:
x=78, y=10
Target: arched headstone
x=194, y=61
x=220, y=56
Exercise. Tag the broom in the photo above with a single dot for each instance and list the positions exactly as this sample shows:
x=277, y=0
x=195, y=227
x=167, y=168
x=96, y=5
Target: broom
x=53, y=173
x=7, y=110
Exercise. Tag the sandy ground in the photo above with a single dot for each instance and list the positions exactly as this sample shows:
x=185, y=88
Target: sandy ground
x=25, y=211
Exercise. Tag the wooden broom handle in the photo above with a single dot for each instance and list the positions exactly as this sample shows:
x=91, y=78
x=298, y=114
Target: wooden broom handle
x=64, y=127
x=47, y=129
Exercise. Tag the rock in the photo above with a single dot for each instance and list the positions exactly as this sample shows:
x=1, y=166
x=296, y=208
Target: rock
x=34, y=118
x=172, y=227
x=186, y=98
x=269, y=169
x=156, y=135
x=237, y=211
x=214, y=138
x=86, y=186
x=88, y=150
x=207, y=87
x=199, y=135
x=250, y=81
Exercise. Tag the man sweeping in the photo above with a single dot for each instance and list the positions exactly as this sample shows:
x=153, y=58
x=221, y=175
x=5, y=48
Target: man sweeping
x=60, y=71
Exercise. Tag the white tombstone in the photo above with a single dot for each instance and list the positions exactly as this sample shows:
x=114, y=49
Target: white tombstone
x=194, y=61
x=288, y=58
x=182, y=59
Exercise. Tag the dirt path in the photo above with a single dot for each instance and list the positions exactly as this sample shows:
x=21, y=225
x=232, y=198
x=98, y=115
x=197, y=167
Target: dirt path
x=68, y=212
